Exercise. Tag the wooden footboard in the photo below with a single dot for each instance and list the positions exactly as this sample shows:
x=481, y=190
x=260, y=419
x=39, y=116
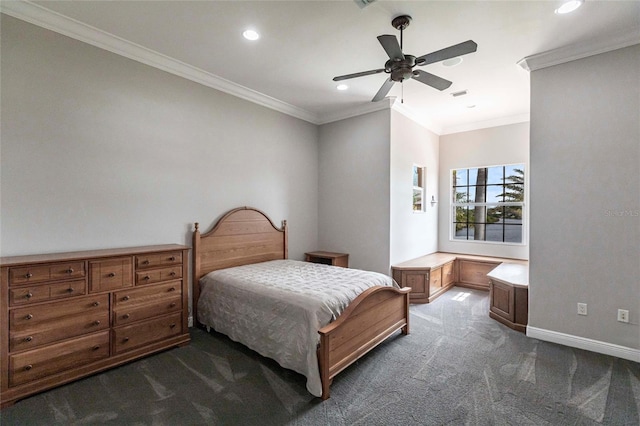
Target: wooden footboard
x=372, y=317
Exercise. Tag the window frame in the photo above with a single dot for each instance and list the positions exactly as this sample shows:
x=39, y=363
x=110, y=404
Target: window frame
x=488, y=204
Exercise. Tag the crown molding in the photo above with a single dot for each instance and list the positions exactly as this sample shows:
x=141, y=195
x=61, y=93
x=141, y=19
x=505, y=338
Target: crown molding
x=45, y=18
x=618, y=40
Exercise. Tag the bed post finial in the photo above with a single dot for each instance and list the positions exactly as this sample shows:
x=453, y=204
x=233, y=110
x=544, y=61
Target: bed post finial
x=284, y=224
x=197, y=226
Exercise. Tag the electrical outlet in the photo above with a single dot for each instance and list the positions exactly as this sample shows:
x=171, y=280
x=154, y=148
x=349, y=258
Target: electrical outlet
x=582, y=309
x=623, y=315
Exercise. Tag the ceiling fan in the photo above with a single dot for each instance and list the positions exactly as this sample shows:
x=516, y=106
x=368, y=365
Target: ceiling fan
x=400, y=66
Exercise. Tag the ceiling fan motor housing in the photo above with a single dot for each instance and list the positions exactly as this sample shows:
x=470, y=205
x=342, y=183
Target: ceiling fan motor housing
x=400, y=69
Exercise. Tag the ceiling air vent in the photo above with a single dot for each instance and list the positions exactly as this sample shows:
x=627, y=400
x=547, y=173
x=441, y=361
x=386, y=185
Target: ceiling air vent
x=460, y=93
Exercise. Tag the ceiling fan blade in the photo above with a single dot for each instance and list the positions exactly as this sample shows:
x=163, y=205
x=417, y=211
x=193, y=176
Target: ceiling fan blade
x=391, y=46
x=386, y=86
x=431, y=80
x=357, y=74
x=460, y=49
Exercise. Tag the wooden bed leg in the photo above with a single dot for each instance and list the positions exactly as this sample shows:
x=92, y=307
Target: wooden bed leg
x=325, y=389
x=323, y=365
x=405, y=329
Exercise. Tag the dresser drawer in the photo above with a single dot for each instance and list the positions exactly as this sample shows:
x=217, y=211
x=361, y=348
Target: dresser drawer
x=33, y=326
x=39, y=363
x=42, y=273
x=157, y=260
x=110, y=274
x=143, y=295
x=158, y=275
x=139, y=334
x=42, y=292
x=130, y=314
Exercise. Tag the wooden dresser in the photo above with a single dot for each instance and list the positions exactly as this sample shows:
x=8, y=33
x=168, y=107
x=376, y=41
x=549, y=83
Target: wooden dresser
x=65, y=316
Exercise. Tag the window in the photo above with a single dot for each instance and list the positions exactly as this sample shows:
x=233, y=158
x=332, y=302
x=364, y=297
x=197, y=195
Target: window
x=487, y=204
x=418, y=188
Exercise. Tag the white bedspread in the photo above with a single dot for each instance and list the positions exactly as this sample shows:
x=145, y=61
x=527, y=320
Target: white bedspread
x=276, y=308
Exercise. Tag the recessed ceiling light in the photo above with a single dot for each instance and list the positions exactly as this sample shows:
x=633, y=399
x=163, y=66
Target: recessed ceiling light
x=251, y=35
x=452, y=62
x=342, y=87
x=569, y=6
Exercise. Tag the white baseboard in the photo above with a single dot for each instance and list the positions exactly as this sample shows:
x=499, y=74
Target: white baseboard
x=583, y=343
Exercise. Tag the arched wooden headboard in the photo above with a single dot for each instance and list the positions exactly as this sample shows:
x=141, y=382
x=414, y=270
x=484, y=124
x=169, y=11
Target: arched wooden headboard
x=242, y=236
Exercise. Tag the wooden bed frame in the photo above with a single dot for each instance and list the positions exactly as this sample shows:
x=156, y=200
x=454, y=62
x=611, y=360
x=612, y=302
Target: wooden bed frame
x=246, y=235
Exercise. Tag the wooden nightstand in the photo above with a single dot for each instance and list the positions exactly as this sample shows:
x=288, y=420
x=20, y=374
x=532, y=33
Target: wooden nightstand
x=328, y=258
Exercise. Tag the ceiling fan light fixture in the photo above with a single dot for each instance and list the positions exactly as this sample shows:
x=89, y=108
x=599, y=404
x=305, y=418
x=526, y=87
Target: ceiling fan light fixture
x=251, y=35
x=569, y=6
x=452, y=62
x=342, y=87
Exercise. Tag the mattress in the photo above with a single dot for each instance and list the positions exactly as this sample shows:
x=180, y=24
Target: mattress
x=276, y=308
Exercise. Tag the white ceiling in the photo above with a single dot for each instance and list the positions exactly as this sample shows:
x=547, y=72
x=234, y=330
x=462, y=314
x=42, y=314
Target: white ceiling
x=304, y=44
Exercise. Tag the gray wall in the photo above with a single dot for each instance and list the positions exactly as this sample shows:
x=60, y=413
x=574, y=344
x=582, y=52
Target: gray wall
x=412, y=234
x=480, y=148
x=353, y=188
x=585, y=197
x=100, y=151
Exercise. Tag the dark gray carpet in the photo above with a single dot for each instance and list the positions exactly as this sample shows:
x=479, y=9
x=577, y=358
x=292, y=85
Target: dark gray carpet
x=457, y=367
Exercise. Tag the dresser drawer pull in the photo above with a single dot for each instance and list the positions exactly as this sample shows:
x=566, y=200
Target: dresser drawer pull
x=96, y=303
x=172, y=289
x=172, y=326
x=125, y=340
x=28, y=339
x=28, y=275
x=145, y=262
x=70, y=290
x=111, y=274
x=173, y=273
x=69, y=271
x=28, y=295
x=172, y=258
x=29, y=316
x=28, y=367
x=147, y=278
x=126, y=316
x=96, y=322
x=125, y=298
x=96, y=347
x=173, y=305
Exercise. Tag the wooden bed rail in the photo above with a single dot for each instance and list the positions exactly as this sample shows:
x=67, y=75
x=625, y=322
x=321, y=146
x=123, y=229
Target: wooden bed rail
x=373, y=316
